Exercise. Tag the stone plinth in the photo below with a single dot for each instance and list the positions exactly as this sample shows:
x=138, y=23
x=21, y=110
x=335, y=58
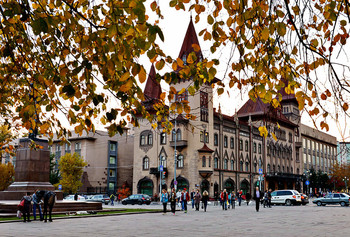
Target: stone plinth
x=32, y=171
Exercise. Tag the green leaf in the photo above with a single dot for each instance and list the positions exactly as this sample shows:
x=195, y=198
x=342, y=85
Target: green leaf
x=39, y=25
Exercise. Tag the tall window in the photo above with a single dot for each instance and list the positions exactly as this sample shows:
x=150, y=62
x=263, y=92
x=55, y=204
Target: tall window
x=225, y=164
x=246, y=145
x=163, y=161
x=77, y=147
x=240, y=144
x=145, y=163
x=259, y=148
x=246, y=166
x=268, y=168
x=150, y=139
x=216, y=139
x=142, y=140
x=232, y=165
x=232, y=142
x=204, y=106
x=241, y=165
x=112, y=160
x=180, y=161
x=111, y=173
x=163, y=138
x=112, y=146
x=204, y=161
x=216, y=163
x=67, y=148
x=178, y=135
x=254, y=147
x=225, y=141
x=255, y=167
x=204, y=136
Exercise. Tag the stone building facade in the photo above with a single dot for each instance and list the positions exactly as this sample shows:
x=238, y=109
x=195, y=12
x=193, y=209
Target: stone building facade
x=217, y=151
x=109, y=159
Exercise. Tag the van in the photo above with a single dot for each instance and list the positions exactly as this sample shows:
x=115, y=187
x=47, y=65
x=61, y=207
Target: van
x=287, y=197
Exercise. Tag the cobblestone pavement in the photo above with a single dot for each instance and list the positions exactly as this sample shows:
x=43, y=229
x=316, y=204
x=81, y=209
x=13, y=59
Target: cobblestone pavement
x=244, y=221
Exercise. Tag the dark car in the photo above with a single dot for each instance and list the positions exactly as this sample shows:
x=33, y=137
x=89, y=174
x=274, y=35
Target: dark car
x=137, y=199
x=304, y=199
x=333, y=198
x=100, y=198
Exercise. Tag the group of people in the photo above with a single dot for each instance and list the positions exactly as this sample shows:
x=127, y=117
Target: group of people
x=25, y=206
x=113, y=198
x=227, y=199
x=182, y=197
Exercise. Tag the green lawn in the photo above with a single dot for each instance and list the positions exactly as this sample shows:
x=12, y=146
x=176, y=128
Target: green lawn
x=101, y=213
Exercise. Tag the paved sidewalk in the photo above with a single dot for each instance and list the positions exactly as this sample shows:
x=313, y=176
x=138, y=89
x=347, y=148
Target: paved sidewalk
x=244, y=221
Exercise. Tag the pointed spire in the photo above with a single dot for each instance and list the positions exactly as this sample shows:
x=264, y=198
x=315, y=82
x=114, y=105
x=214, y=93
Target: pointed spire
x=219, y=109
x=152, y=88
x=189, y=40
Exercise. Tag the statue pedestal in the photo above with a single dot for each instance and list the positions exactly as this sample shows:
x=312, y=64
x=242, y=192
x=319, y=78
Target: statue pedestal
x=32, y=170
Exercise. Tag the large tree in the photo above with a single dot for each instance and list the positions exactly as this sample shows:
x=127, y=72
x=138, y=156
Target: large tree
x=73, y=57
x=71, y=169
x=7, y=173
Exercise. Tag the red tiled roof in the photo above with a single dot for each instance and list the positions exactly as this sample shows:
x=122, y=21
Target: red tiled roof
x=205, y=148
x=152, y=88
x=190, y=38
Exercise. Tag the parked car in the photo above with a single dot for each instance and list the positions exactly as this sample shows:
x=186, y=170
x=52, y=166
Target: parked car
x=304, y=199
x=100, y=198
x=333, y=198
x=287, y=197
x=137, y=199
x=71, y=198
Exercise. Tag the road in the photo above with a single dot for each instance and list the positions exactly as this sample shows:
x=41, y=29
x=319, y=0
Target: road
x=244, y=221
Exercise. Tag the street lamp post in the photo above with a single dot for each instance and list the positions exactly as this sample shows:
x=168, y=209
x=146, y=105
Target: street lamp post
x=175, y=158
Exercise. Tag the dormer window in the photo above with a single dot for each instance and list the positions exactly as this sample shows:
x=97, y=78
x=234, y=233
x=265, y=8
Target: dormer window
x=184, y=59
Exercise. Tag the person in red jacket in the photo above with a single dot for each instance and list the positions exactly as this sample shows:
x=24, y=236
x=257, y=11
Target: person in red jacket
x=185, y=197
x=224, y=198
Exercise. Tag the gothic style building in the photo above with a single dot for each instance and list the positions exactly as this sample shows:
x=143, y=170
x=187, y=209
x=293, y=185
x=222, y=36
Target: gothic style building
x=221, y=152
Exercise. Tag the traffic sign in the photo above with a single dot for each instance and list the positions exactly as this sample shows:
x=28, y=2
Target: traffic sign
x=307, y=182
x=60, y=187
x=160, y=168
x=260, y=171
x=175, y=182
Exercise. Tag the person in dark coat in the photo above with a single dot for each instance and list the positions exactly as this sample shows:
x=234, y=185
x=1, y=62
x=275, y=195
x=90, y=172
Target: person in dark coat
x=197, y=199
x=247, y=198
x=257, y=196
x=27, y=205
x=205, y=199
x=172, y=200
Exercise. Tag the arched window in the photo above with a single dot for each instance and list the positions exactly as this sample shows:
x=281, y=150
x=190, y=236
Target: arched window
x=173, y=135
x=150, y=139
x=163, y=161
x=216, y=162
x=232, y=165
x=287, y=169
x=180, y=161
x=145, y=163
x=209, y=161
x=178, y=135
x=225, y=164
x=204, y=161
x=246, y=166
x=268, y=168
x=146, y=138
x=273, y=168
x=163, y=138
x=278, y=168
x=291, y=170
x=259, y=148
x=241, y=165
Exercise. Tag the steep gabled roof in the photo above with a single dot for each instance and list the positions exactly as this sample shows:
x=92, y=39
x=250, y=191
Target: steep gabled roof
x=286, y=97
x=152, y=89
x=205, y=149
x=189, y=40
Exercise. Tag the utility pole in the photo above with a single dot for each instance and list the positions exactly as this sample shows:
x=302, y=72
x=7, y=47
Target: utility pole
x=175, y=157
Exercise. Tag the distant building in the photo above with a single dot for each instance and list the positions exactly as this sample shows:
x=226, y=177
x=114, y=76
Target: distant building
x=217, y=151
x=109, y=159
x=343, y=151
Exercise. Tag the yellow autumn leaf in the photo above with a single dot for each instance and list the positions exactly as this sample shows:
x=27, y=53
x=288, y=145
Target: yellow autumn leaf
x=263, y=131
x=125, y=76
x=274, y=136
x=142, y=75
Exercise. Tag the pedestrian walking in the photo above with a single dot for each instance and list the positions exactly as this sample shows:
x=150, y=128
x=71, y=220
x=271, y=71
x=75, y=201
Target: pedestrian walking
x=269, y=197
x=224, y=198
x=178, y=197
x=216, y=198
x=173, y=200
x=197, y=199
x=36, y=205
x=233, y=200
x=185, y=197
x=192, y=197
x=26, y=207
x=164, y=199
x=247, y=198
x=239, y=197
x=266, y=199
x=205, y=199
x=112, y=197
x=257, y=197
x=229, y=200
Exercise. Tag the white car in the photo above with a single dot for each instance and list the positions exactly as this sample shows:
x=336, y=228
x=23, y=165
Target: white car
x=71, y=198
x=287, y=197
